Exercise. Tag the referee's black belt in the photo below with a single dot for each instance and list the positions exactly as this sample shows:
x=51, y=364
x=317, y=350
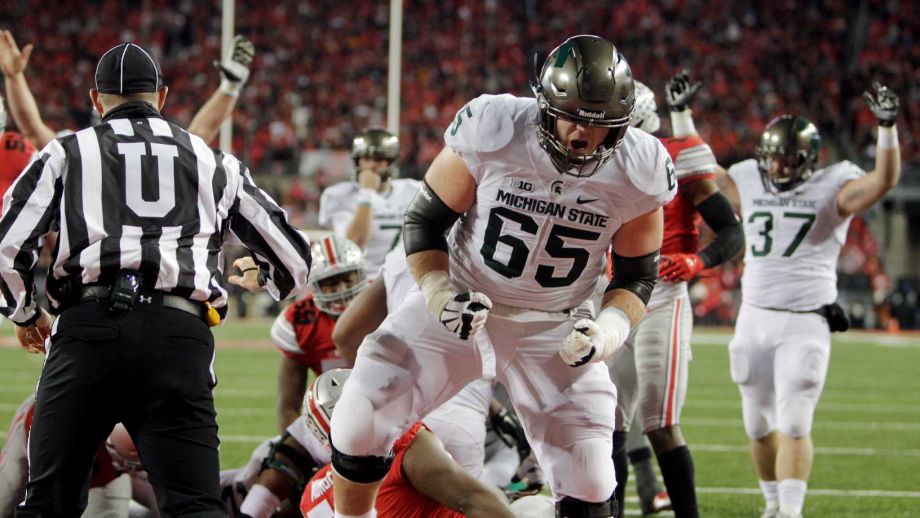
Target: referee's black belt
x=146, y=297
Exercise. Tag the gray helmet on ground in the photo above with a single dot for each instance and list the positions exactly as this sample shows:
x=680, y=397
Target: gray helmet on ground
x=585, y=80
x=320, y=400
x=376, y=143
x=787, y=153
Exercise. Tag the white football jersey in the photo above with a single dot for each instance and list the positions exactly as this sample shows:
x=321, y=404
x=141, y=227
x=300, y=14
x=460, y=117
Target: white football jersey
x=535, y=238
x=792, y=239
x=396, y=277
x=338, y=204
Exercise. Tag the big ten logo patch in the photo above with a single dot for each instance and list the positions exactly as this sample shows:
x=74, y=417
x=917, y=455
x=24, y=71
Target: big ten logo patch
x=521, y=185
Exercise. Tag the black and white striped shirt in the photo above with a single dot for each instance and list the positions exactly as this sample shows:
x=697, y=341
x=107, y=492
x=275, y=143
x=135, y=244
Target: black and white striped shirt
x=139, y=193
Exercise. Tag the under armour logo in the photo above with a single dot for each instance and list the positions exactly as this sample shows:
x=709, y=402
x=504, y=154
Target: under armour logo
x=145, y=299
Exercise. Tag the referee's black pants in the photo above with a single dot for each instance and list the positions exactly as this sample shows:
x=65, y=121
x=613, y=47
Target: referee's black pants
x=151, y=369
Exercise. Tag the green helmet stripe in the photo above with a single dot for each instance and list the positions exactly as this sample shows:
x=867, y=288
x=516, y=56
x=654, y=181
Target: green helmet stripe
x=563, y=54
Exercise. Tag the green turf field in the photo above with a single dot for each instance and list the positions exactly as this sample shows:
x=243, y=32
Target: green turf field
x=867, y=430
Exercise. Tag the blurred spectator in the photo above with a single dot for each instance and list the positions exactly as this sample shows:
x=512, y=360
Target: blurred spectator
x=322, y=75
x=323, y=72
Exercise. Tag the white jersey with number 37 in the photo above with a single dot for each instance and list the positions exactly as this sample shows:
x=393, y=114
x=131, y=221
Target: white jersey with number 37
x=535, y=238
x=792, y=239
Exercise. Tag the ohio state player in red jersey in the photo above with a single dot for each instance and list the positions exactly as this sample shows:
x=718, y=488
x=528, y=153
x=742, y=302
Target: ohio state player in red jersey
x=423, y=481
x=15, y=152
x=303, y=333
x=108, y=494
x=650, y=371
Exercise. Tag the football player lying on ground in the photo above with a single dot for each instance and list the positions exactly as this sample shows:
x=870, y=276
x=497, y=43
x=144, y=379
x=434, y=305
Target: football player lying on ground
x=423, y=480
x=109, y=492
x=277, y=472
x=303, y=333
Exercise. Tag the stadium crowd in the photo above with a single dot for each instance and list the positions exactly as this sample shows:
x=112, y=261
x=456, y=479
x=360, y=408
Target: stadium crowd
x=321, y=72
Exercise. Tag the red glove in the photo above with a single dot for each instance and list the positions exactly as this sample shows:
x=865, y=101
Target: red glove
x=679, y=267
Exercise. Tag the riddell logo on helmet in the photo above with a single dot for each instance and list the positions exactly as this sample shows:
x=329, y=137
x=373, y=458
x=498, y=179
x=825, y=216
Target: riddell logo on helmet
x=590, y=115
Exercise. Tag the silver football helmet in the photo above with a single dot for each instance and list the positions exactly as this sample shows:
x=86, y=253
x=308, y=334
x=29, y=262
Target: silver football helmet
x=320, y=400
x=645, y=113
x=586, y=81
x=377, y=143
x=337, y=274
x=788, y=153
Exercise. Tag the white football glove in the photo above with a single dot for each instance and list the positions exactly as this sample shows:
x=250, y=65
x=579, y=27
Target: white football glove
x=595, y=340
x=463, y=314
x=235, y=69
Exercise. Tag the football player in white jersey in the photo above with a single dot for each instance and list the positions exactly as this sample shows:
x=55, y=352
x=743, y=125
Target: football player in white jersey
x=543, y=187
x=368, y=210
x=795, y=222
x=650, y=371
x=460, y=423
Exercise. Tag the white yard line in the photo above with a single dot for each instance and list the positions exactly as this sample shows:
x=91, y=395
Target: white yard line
x=835, y=425
x=815, y=492
x=829, y=406
x=856, y=337
x=825, y=450
x=820, y=450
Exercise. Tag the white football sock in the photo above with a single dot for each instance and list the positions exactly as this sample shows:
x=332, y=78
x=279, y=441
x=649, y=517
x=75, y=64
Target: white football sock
x=792, y=496
x=370, y=514
x=260, y=502
x=770, y=494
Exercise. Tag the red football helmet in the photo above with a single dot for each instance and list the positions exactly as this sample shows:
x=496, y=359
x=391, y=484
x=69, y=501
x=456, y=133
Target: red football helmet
x=124, y=454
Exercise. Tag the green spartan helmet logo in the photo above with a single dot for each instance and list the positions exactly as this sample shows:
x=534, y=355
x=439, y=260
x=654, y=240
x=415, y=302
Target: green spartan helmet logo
x=557, y=187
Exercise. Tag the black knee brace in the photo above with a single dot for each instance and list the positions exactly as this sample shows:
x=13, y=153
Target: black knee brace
x=362, y=469
x=570, y=507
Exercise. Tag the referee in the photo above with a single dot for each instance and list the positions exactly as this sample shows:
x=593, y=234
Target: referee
x=141, y=208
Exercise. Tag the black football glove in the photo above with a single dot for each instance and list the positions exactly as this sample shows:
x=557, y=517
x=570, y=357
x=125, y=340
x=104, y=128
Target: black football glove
x=510, y=431
x=235, y=68
x=679, y=91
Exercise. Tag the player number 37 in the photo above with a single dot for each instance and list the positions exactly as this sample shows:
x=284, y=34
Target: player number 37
x=766, y=246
